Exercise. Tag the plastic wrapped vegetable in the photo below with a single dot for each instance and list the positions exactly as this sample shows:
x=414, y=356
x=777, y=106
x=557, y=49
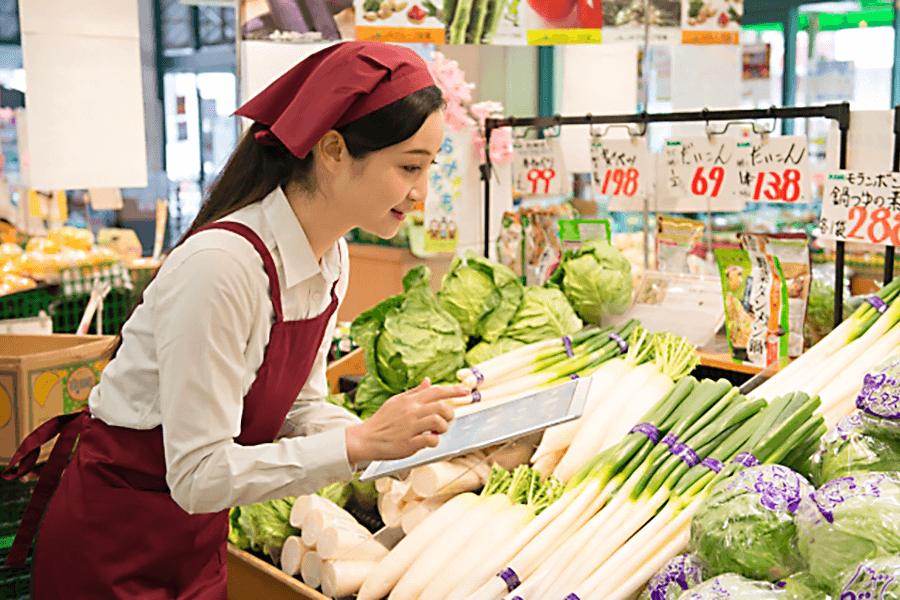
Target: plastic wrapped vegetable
x=482, y=295
x=596, y=278
x=544, y=313
x=746, y=525
x=733, y=587
x=683, y=572
x=409, y=337
x=847, y=449
x=879, y=399
x=802, y=586
x=847, y=521
x=877, y=579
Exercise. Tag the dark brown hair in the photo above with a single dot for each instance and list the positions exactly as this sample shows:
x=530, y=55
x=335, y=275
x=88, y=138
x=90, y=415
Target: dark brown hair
x=253, y=171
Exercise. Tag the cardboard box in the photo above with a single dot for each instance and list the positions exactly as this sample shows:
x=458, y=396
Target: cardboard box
x=250, y=578
x=42, y=376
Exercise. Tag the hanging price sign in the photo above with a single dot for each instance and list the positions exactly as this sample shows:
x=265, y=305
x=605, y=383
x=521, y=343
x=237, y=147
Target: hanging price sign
x=774, y=170
x=861, y=207
x=699, y=174
x=538, y=168
x=620, y=169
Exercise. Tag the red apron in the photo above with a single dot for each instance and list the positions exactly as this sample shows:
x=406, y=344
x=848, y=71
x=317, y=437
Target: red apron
x=112, y=529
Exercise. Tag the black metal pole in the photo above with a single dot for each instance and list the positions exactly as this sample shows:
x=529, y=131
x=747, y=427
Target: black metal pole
x=889, y=250
x=486, y=176
x=844, y=124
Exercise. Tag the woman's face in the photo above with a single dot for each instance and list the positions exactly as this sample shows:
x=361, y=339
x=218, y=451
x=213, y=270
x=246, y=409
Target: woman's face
x=381, y=188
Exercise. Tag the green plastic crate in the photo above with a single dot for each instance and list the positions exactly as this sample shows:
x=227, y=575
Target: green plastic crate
x=66, y=313
x=29, y=303
x=15, y=583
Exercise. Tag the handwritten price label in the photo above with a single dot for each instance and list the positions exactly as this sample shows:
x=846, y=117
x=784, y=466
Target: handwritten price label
x=699, y=173
x=619, y=169
x=774, y=170
x=538, y=168
x=862, y=207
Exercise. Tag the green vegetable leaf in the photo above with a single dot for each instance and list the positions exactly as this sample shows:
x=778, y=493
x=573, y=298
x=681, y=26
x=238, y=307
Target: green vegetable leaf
x=544, y=313
x=596, y=279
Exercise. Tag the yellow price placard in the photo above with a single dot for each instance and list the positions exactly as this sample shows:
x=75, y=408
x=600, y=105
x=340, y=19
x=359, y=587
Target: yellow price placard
x=552, y=37
x=48, y=205
x=400, y=35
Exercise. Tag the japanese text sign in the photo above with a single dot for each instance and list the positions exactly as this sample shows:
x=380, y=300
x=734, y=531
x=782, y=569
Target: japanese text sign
x=538, y=168
x=441, y=204
x=620, y=169
x=698, y=174
x=861, y=207
x=774, y=169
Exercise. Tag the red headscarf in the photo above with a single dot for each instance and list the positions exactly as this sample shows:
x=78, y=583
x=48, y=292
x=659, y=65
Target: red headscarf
x=332, y=88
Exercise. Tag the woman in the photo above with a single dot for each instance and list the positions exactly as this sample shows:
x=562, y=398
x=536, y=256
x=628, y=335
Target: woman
x=227, y=351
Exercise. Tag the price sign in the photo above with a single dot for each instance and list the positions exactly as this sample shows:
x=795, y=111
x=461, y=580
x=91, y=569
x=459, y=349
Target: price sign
x=620, y=169
x=699, y=173
x=862, y=207
x=774, y=170
x=538, y=168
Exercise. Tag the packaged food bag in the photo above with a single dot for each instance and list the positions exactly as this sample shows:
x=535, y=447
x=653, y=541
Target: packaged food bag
x=676, y=238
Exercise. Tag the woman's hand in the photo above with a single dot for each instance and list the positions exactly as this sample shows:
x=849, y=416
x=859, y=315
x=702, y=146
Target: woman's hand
x=404, y=424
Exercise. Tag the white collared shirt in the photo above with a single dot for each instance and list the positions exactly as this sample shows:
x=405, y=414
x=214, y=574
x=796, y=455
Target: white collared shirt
x=192, y=349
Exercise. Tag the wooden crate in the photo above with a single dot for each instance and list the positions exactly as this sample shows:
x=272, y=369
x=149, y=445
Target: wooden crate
x=250, y=578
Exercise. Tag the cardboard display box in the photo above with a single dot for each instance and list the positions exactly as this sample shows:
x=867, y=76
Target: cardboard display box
x=44, y=376
x=250, y=578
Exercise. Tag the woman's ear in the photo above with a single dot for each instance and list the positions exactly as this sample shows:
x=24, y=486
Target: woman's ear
x=332, y=150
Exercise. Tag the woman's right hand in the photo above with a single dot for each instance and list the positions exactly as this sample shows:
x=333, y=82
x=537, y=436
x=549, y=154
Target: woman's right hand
x=404, y=424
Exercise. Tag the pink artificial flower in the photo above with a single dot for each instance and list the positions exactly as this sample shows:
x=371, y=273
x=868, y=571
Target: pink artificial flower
x=501, y=145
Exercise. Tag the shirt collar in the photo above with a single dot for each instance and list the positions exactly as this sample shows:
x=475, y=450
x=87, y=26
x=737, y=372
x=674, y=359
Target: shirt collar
x=297, y=258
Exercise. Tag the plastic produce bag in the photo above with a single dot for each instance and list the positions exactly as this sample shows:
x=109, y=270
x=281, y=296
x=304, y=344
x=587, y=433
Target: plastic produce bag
x=877, y=579
x=848, y=449
x=847, y=521
x=733, y=587
x=879, y=399
x=679, y=574
x=802, y=586
x=746, y=525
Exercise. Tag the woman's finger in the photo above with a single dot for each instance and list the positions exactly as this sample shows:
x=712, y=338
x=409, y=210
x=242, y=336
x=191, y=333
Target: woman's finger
x=436, y=424
x=442, y=392
x=425, y=440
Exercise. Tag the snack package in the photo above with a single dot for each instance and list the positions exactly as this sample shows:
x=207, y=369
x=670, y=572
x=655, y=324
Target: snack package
x=542, y=247
x=848, y=449
x=574, y=232
x=683, y=572
x=792, y=251
x=746, y=524
x=511, y=243
x=675, y=240
x=756, y=308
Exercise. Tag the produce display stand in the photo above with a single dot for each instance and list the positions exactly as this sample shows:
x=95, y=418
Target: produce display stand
x=251, y=578
x=837, y=112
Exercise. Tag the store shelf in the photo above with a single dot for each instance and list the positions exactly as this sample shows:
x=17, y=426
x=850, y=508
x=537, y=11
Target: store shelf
x=725, y=362
x=250, y=578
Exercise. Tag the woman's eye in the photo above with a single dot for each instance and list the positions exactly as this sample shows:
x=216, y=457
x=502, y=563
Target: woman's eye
x=413, y=168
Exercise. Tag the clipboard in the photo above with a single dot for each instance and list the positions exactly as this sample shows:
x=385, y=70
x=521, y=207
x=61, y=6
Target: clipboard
x=495, y=424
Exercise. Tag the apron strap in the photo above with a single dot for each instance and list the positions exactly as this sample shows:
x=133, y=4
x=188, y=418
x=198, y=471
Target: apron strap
x=68, y=427
x=251, y=236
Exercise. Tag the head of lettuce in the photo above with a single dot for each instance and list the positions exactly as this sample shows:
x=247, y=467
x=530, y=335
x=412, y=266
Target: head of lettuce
x=596, y=279
x=406, y=338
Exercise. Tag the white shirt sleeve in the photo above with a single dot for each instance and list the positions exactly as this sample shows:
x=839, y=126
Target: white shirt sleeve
x=205, y=310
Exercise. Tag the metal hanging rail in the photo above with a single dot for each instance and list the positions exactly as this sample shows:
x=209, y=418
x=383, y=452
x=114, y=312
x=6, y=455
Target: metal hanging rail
x=837, y=112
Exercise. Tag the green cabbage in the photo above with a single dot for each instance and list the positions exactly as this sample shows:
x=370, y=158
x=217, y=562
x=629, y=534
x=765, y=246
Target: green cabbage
x=847, y=521
x=879, y=400
x=802, y=586
x=679, y=574
x=482, y=295
x=407, y=338
x=847, y=449
x=370, y=394
x=877, y=579
x=733, y=587
x=746, y=525
x=545, y=313
x=596, y=279
x=487, y=350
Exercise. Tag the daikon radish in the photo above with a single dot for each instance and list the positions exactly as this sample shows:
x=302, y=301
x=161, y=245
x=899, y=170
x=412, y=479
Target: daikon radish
x=343, y=578
x=511, y=455
x=390, y=506
x=444, y=547
x=345, y=544
x=413, y=516
x=311, y=503
x=477, y=549
x=317, y=522
x=548, y=462
x=383, y=485
x=292, y=552
x=444, y=477
x=311, y=569
x=391, y=568
x=559, y=437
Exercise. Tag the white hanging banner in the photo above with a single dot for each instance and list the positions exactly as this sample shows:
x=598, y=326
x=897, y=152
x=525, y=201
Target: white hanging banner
x=538, y=168
x=620, y=169
x=444, y=191
x=699, y=174
x=774, y=169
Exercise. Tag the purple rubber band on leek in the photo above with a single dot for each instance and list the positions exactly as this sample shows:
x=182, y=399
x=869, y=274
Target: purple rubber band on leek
x=670, y=439
x=574, y=376
x=877, y=303
x=476, y=396
x=567, y=342
x=479, y=376
x=687, y=455
x=510, y=578
x=572, y=597
x=713, y=465
x=623, y=345
x=648, y=429
x=746, y=459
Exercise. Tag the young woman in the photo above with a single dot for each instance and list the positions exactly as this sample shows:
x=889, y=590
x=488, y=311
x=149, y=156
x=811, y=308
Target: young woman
x=214, y=396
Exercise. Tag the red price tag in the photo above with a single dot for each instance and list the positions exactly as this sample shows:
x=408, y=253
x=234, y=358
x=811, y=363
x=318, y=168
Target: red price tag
x=708, y=182
x=620, y=182
x=775, y=186
x=862, y=207
x=874, y=226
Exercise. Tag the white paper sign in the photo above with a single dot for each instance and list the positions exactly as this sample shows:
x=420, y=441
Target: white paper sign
x=699, y=173
x=538, y=168
x=774, y=170
x=620, y=169
x=106, y=198
x=861, y=207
